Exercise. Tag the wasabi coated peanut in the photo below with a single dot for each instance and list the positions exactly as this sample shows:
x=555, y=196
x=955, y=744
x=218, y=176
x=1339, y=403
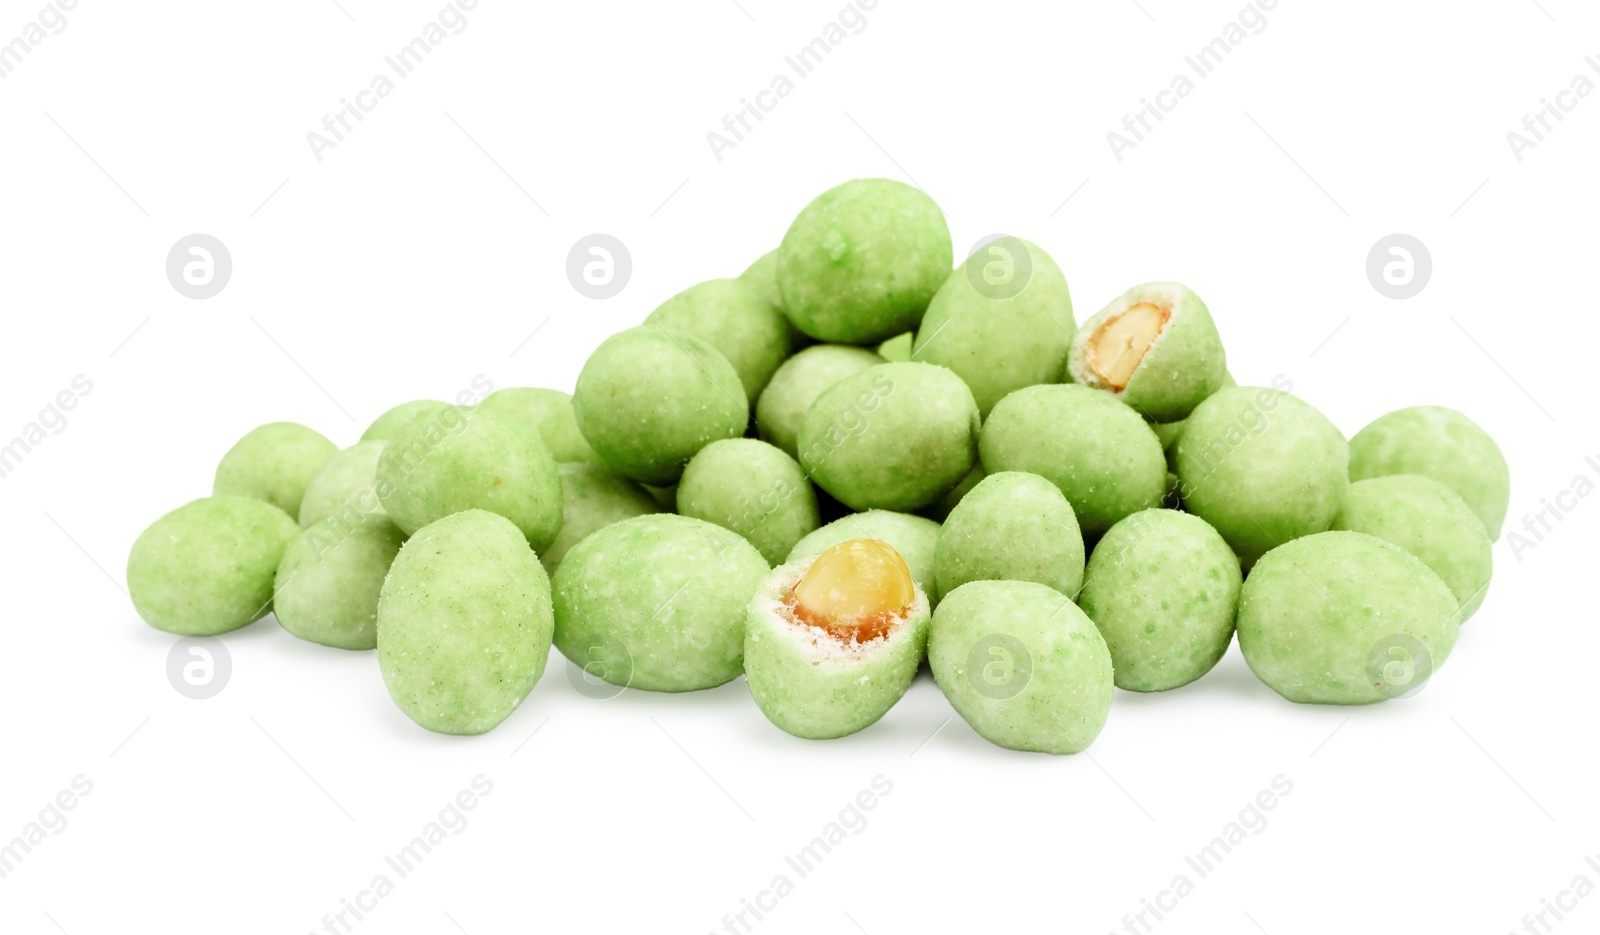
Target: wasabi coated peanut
x=649, y=398
x=755, y=490
x=1442, y=444
x=734, y=318
x=454, y=458
x=1162, y=587
x=657, y=602
x=394, y=419
x=551, y=413
x=464, y=623
x=1430, y=521
x=914, y=538
x=1011, y=526
x=798, y=383
x=207, y=567
x=329, y=579
x=861, y=262
x=1168, y=432
x=762, y=275
x=344, y=486
x=833, y=641
x=894, y=436
x=1022, y=665
x=1262, y=467
x=1155, y=348
x=1002, y=321
x=1100, y=454
x=274, y=462
x=1344, y=618
x=593, y=498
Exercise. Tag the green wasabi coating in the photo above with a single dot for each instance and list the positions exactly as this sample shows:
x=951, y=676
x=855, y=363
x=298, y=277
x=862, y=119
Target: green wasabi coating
x=551, y=413
x=940, y=510
x=916, y=538
x=1011, y=527
x=755, y=490
x=1430, y=521
x=464, y=623
x=814, y=685
x=1168, y=432
x=762, y=275
x=1442, y=444
x=394, y=419
x=1000, y=338
x=1101, y=455
x=329, y=579
x=1022, y=665
x=1344, y=618
x=898, y=348
x=894, y=436
x=1162, y=586
x=798, y=383
x=273, y=462
x=344, y=487
x=1185, y=365
x=734, y=318
x=1262, y=467
x=861, y=262
x=455, y=459
x=657, y=602
x=207, y=567
x=593, y=498
x=648, y=398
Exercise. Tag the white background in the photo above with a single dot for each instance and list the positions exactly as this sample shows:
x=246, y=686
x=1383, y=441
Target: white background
x=431, y=243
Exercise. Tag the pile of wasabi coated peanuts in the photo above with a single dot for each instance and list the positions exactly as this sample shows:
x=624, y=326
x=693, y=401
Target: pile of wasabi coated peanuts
x=853, y=459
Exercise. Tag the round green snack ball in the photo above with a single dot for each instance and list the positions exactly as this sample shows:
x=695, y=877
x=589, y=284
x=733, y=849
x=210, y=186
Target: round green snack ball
x=207, y=567
x=734, y=318
x=551, y=413
x=1262, y=467
x=649, y=398
x=1162, y=586
x=1155, y=348
x=898, y=348
x=1011, y=527
x=593, y=498
x=1168, y=432
x=273, y=462
x=657, y=602
x=861, y=262
x=1344, y=618
x=755, y=490
x=464, y=623
x=329, y=579
x=762, y=275
x=1442, y=444
x=1022, y=665
x=1430, y=521
x=344, y=487
x=455, y=459
x=916, y=538
x=798, y=383
x=1100, y=454
x=394, y=419
x=894, y=436
x=1002, y=321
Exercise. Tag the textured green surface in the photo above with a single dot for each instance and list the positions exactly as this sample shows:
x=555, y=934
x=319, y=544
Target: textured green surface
x=1022, y=665
x=755, y=490
x=1169, y=432
x=1430, y=521
x=798, y=383
x=329, y=579
x=453, y=459
x=734, y=318
x=593, y=498
x=1185, y=365
x=861, y=262
x=1162, y=587
x=995, y=341
x=914, y=537
x=1100, y=454
x=550, y=411
x=649, y=398
x=345, y=487
x=1442, y=444
x=1318, y=615
x=273, y=462
x=897, y=348
x=464, y=623
x=207, y=567
x=896, y=436
x=813, y=685
x=1262, y=467
x=1012, y=527
x=394, y=419
x=657, y=602
x=941, y=508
